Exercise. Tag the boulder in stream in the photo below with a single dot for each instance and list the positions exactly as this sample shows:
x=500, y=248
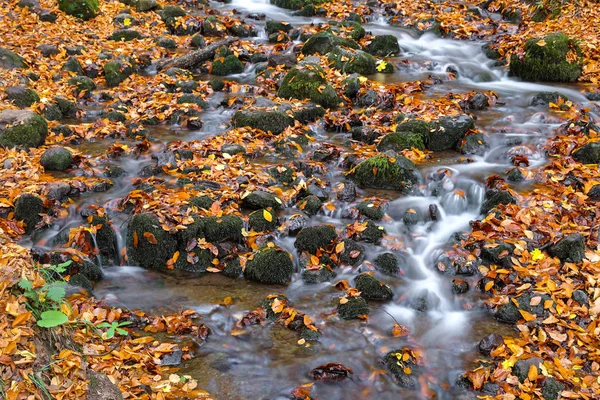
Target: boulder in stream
x=315, y=237
x=267, y=121
x=383, y=46
x=270, y=265
x=383, y=172
x=22, y=128
x=28, y=208
x=352, y=307
x=306, y=81
x=373, y=289
x=56, y=159
x=148, y=244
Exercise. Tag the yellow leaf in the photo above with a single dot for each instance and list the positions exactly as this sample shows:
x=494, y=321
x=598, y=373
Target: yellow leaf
x=343, y=300
x=382, y=65
x=489, y=285
x=339, y=248
x=127, y=21
x=267, y=215
x=541, y=43
x=533, y=373
x=407, y=371
x=537, y=254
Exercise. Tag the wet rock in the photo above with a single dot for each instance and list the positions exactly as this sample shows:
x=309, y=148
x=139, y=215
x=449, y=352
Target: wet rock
x=270, y=265
x=424, y=301
x=494, y=197
x=227, y=66
x=373, y=289
x=227, y=227
x=260, y=199
x=398, y=141
x=311, y=205
x=287, y=60
x=47, y=16
x=319, y=275
x=352, y=85
x=28, y=208
x=353, y=254
x=316, y=190
x=396, y=174
x=365, y=134
x=353, y=308
x=570, y=248
x=412, y=217
x=473, y=144
x=371, y=210
x=72, y=65
x=142, y=251
x=521, y=367
x=233, y=268
x=48, y=50
x=80, y=281
x=82, y=84
x=383, y=46
x=372, y=234
x=394, y=362
x=460, y=286
x=52, y=112
x=447, y=132
x=170, y=12
x=268, y=121
x=324, y=42
x=125, y=35
x=305, y=82
x=351, y=61
x=283, y=174
x=22, y=128
x=67, y=107
x=146, y=5
x=581, y=297
x=508, y=313
x=117, y=71
x=56, y=159
x=58, y=191
x=61, y=129
x=316, y=237
x=552, y=388
x=106, y=240
x=479, y=101
x=276, y=26
x=388, y=264
x=490, y=388
x=545, y=98
x=198, y=41
x=296, y=223
x=83, y=9
x=21, y=96
x=11, y=60
x=549, y=62
x=499, y=255
x=233, y=149
x=348, y=192
x=259, y=223
x=166, y=43
x=588, y=154
x=489, y=343
x=165, y=159
x=172, y=359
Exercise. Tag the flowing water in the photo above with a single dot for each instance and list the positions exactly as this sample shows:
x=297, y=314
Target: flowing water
x=268, y=363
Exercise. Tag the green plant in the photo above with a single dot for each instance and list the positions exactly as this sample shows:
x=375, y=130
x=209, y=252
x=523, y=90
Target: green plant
x=114, y=327
x=45, y=302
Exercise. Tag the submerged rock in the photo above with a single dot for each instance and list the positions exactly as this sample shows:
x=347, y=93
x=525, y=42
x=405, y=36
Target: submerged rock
x=22, y=128
x=270, y=265
x=383, y=172
x=394, y=361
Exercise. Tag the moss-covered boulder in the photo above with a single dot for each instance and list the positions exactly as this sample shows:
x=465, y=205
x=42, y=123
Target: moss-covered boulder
x=553, y=58
x=277, y=26
x=308, y=81
x=324, y=42
x=473, y=144
x=148, y=244
x=373, y=289
x=170, y=12
x=588, y=153
x=262, y=221
x=398, y=141
x=357, y=32
x=383, y=172
x=28, y=208
x=117, y=71
x=371, y=210
x=67, y=107
x=447, y=132
x=404, y=370
x=570, y=248
x=83, y=85
x=260, y=199
x=146, y=5
x=351, y=61
x=166, y=43
x=56, y=159
x=352, y=307
x=106, y=240
x=318, y=275
x=310, y=205
x=372, y=234
x=52, y=112
x=188, y=98
x=73, y=65
x=494, y=197
x=353, y=254
x=21, y=96
x=227, y=65
x=125, y=35
x=270, y=265
x=83, y=9
x=383, y=46
x=388, y=264
x=315, y=237
x=11, y=60
x=227, y=227
x=22, y=128
x=267, y=121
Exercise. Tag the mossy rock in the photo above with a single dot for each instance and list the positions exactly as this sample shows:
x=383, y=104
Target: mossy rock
x=83, y=9
x=352, y=86
x=56, y=159
x=320, y=275
x=412, y=125
x=397, y=366
x=78, y=280
x=22, y=128
x=211, y=25
x=258, y=223
x=570, y=248
x=352, y=309
x=306, y=82
x=21, y=96
x=372, y=289
x=52, y=112
x=370, y=210
x=282, y=174
x=357, y=32
x=198, y=41
x=271, y=265
x=233, y=149
x=227, y=227
x=146, y=5
x=28, y=208
x=545, y=98
x=82, y=84
x=545, y=60
x=233, y=268
x=11, y=60
x=115, y=116
x=227, y=66
x=116, y=72
x=277, y=26
x=353, y=254
x=201, y=202
x=196, y=260
x=494, y=197
x=260, y=199
x=216, y=84
x=315, y=237
x=383, y=46
x=267, y=121
x=398, y=141
x=145, y=253
x=125, y=35
x=106, y=240
x=383, y=172
x=188, y=98
x=365, y=134
x=388, y=264
x=447, y=132
x=73, y=65
x=309, y=113
x=588, y=153
x=350, y=61
x=67, y=107
x=324, y=42
x=166, y=43
x=372, y=234
x=474, y=144
x=170, y=12
x=311, y=205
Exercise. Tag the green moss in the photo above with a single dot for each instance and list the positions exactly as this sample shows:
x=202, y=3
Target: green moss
x=52, y=112
x=267, y=121
x=11, y=60
x=67, y=107
x=84, y=9
x=28, y=208
x=170, y=12
x=260, y=199
x=387, y=263
x=147, y=254
x=372, y=289
x=397, y=366
x=259, y=223
x=21, y=96
x=353, y=308
x=357, y=32
x=56, y=159
x=308, y=82
x=227, y=227
x=227, y=66
x=399, y=141
x=22, y=129
x=196, y=260
x=82, y=84
x=324, y=42
x=192, y=99
x=353, y=254
x=352, y=61
x=310, y=205
x=106, y=240
x=276, y=26
x=370, y=210
x=72, y=65
x=315, y=237
x=383, y=46
x=125, y=35
x=201, y=202
x=373, y=234
x=413, y=125
x=383, y=173
x=310, y=113
x=548, y=62
x=271, y=265
x=116, y=72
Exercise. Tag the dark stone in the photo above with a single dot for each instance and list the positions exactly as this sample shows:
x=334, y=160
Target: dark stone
x=22, y=128
x=388, y=264
x=261, y=199
x=28, y=208
x=353, y=308
x=552, y=388
x=373, y=289
x=72, y=65
x=270, y=265
x=21, y=96
x=545, y=98
x=570, y=248
x=460, y=286
x=268, y=121
x=259, y=223
x=353, y=254
x=380, y=172
x=394, y=362
x=320, y=275
x=147, y=254
x=373, y=234
x=494, y=197
x=521, y=367
x=316, y=237
x=489, y=343
x=11, y=60
x=348, y=192
x=172, y=359
x=588, y=154
x=287, y=60
x=447, y=132
x=56, y=159
x=48, y=50
x=479, y=101
x=311, y=205
x=227, y=227
x=383, y=46
x=370, y=210
x=424, y=301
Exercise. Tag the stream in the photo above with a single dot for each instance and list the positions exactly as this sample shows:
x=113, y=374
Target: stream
x=269, y=363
